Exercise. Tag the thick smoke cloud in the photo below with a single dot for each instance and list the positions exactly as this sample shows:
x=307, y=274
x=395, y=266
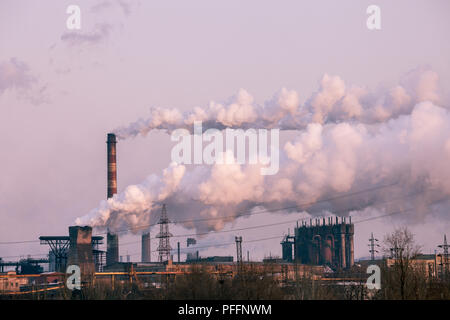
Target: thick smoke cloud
x=333, y=102
x=391, y=139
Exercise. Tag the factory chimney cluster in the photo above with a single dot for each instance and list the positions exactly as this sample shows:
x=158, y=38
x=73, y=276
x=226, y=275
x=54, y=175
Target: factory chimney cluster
x=322, y=243
x=112, y=240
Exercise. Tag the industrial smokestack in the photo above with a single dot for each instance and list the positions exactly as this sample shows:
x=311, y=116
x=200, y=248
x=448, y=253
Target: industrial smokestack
x=145, y=255
x=80, y=249
x=112, y=240
x=112, y=248
x=112, y=166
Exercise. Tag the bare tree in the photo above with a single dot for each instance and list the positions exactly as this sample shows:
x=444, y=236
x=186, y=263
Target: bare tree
x=401, y=247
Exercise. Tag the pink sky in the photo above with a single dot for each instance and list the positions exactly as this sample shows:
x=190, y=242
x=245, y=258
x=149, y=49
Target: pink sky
x=60, y=94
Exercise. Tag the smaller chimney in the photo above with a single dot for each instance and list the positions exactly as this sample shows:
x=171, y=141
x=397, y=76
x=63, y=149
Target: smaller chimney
x=112, y=250
x=145, y=254
x=80, y=249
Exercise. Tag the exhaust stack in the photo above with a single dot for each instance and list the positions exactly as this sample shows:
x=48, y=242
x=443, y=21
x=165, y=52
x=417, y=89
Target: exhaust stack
x=112, y=240
x=80, y=249
x=145, y=256
x=112, y=165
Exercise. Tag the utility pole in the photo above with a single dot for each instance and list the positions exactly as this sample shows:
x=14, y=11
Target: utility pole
x=164, y=236
x=444, y=257
x=373, y=243
x=239, y=251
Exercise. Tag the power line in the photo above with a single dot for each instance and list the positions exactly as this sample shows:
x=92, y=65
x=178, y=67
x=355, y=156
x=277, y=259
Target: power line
x=243, y=214
x=264, y=211
x=266, y=225
x=19, y=242
x=26, y=255
x=221, y=244
x=276, y=237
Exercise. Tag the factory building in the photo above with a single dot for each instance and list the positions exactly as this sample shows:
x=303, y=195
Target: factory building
x=321, y=242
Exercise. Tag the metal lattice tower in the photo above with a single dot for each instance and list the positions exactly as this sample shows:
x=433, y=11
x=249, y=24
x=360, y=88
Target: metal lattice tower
x=444, y=256
x=164, y=235
x=372, y=245
x=59, y=246
x=238, y=250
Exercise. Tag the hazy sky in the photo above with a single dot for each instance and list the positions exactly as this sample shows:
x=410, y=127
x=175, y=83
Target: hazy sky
x=61, y=93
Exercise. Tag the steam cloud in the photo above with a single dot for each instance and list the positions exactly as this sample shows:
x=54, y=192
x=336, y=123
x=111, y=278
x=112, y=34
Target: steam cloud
x=334, y=101
x=348, y=139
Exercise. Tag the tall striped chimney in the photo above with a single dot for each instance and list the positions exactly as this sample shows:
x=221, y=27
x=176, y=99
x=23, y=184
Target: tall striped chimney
x=112, y=166
x=112, y=240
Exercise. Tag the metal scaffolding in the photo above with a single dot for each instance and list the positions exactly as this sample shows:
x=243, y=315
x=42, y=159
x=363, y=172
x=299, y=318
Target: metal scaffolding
x=238, y=250
x=444, y=258
x=59, y=246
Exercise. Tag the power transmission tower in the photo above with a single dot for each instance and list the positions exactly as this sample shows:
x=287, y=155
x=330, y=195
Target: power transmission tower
x=373, y=243
x=164, y=235
x=444, y=257
x=238, y=250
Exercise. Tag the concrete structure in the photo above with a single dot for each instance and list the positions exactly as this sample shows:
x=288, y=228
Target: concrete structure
x=325, y=242
x=112, y=248
x=80, y=249
x=112, y=240
x=145, y=247
x=191, y=254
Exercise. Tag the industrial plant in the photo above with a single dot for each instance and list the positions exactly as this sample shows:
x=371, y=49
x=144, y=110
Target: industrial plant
x=320, y=249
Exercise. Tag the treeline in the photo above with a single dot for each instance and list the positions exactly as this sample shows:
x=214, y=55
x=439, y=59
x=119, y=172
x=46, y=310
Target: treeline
x=262, y=284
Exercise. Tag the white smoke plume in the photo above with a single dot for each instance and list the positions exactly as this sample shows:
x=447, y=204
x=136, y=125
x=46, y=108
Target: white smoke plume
x=390, y=140
x=333, y=102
